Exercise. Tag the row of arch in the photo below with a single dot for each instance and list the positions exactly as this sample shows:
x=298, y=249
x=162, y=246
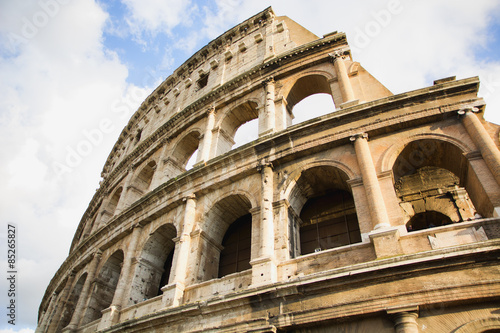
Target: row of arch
x=432, y=180
x=186, y=151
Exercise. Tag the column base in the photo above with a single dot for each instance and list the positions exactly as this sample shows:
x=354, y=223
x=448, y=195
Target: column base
x=349, y=103
x=386, y=242
x=110, y=316
x=264, y=271
x=496, y=212
x=172, y=294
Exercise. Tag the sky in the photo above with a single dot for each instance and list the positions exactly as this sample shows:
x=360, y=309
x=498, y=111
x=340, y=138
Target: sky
x=72, y=72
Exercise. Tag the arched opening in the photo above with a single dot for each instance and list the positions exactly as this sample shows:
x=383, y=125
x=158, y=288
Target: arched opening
x=246, y=133
x=431, y=179
x=328, y=221
x=238, y=116
x=235, y=255
x=69, y=309
x=141, y=183
x=229, y=224
x=153, y=267
x=104, y=287
x=192, y=160
x=314, y=94
x=143, y=180
x=183, y=152
x=110, y=209
x=312, y=106
x=322, y=211
x=426, y=220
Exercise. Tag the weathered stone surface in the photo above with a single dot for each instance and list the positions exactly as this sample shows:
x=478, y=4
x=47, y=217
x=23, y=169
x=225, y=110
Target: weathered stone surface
x=381, y=215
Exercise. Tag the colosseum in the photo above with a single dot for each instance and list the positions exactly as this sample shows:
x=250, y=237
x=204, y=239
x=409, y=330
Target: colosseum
x=382, y=215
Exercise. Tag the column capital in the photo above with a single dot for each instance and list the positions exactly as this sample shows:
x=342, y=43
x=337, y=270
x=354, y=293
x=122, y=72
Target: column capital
x=211, y=109
x=263, y=164
x=337, y=54
x=467, y=109
x=269, y=80
x=136, y=226
x=362, y=135
x=191, y=196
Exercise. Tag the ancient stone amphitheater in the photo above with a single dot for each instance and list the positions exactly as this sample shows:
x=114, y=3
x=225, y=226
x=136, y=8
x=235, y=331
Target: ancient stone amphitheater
x=380, y=216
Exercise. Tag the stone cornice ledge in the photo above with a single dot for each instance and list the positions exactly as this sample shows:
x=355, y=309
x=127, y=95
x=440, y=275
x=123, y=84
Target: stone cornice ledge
x=357, y=274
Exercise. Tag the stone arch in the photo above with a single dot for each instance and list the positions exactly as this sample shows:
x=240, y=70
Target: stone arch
x=182, y=151
x=230, y=121
x=70, y=305
x=111, y=205
x=290, y=182
x=390, y=155
x=322, y=212
x=229, y=214
x=104, y=287
x=484, y=325
x=141, y=183
x=427, y=219
x=153, y=268
x=307, y=84
x=434, y=175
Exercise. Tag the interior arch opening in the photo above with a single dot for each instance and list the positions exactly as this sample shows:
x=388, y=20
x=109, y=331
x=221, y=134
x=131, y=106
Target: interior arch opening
x=432, y=179
x=322, y=212
x=69, y=309
x=316, y=94
x=141, y=183
x=311, y=107
x=154, y=265
x=328, y=221
x=426, y=220
x=192, y=160
x=246, y=133
x=182, y=155
x=229, y=224
x=232, y=122
x=104, y=287
x=235, y=255
x=110, y=209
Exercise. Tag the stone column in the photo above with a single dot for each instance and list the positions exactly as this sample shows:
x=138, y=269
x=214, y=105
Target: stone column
x=264, y=268
x=483, y=141
x=404, y=319
x=83, y=299
x=173, y=293
x=374, y=196
x=56, y=318
x=343, y=78
x=124, y=281
x=267, y=116
x=46, y=316
x=122, y=203
x=88, y=228
x=206, y=147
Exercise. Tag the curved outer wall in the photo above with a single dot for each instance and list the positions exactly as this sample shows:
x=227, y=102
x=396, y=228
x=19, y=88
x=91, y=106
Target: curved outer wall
x=381, y=215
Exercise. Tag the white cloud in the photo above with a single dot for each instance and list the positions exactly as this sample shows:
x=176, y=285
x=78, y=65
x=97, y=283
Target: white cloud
x=58, y=82
x=154, y=16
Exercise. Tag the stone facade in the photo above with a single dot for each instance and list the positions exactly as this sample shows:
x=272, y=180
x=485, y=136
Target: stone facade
x=380, y=216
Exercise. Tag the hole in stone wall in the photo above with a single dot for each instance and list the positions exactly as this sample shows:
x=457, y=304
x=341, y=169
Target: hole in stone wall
x=313, y=106
x=192, y=160
x=203, y=81
x=246, y=133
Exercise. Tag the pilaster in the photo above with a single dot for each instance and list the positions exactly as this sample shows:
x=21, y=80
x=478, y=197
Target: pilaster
x=374, y=196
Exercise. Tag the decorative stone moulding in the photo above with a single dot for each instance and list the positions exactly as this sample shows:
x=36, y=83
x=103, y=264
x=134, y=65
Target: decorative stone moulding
x=347, y=214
